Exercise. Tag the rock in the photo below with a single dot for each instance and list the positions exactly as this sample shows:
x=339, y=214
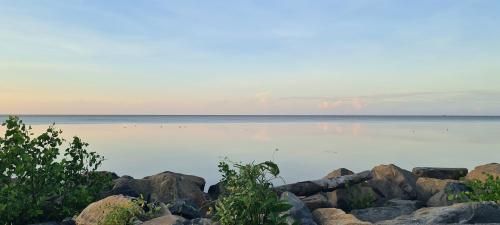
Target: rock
x=99, y=211
x=185, y=208
x=316, y=201
x=199, y=221
x=353, y=197
x=463, y=213
x=427, y=187
x=112, y=175
x=123, y=186
x=441, y=198
x=393, y=209
x=214, y=191
x=311, y=187
x=163, y=187
x=440, y=173
x=166, y=220
x=299, y=211
x=177, y=220
x=47, y=223
x=392, y=182
x=478, y=173
x=68, y=221
x=338, y=173
x=333, y=216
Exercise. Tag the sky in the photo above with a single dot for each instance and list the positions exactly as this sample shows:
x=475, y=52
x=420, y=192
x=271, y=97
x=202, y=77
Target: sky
x=250, y=57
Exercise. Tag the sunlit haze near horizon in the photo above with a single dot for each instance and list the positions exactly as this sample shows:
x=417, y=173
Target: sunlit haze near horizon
x=250, y=57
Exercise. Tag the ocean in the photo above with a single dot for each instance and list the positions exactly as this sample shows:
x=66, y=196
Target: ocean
x=305, y=147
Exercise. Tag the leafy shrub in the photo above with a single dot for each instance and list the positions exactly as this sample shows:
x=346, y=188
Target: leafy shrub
x=248, y=198
x=489, y=190
x=121, y=214
x=150, y=210
x=358, y=199
x=361, y=200
x=37, y=182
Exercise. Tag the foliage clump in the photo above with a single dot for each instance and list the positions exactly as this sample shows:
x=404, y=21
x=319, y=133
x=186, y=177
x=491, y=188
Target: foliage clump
x=249, y=198
x=41, y=180
x=479, y=191
x=121, y=214
x=359, y=199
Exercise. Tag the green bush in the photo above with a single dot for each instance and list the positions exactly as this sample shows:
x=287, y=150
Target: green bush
x=121, y=214
x=248, y=197
x=38, y=183
x=358, y=199
x=479, y=191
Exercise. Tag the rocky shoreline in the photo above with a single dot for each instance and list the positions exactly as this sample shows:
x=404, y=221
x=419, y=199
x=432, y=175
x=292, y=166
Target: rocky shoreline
x=385, y=194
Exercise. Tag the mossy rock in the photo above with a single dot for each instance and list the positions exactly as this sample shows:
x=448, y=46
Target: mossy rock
x=113, y=210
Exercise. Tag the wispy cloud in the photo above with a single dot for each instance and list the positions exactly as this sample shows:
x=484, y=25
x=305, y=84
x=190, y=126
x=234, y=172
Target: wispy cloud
x=263, y=97
x=354, y=103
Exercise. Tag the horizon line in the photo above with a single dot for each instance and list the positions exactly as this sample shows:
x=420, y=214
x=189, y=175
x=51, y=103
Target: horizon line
x=350, y=115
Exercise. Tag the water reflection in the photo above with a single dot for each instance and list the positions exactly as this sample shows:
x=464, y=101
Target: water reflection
x=306, y=150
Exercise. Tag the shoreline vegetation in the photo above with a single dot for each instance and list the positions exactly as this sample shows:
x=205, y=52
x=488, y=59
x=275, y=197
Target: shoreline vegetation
x=43, y=182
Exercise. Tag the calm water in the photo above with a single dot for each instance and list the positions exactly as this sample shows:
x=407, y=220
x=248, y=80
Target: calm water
x=305, y=147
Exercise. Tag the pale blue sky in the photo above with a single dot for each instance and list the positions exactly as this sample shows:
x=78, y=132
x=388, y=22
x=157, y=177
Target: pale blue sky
x=250, y=57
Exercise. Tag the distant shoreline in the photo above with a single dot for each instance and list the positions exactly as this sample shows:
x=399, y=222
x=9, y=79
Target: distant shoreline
x=113, y=119
x=247, y=115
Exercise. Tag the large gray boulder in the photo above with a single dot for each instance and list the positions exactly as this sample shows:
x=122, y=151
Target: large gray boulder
x=462, y=213
x=392, y=182
x=163, y=187
x=299, y=212
x=479, y=173
x=440, y=173
x=391, y=210
x=427, y=187
x=441, y=198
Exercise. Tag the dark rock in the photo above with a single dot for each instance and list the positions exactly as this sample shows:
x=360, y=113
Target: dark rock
x=299, y=211
x=185, y=208
x=311, y=187
x=68, y=221
x=47, y=223
x=440, y=173
x=393, y=209
x=112, y=175
x=338, y=172
x=462, y=213
x=348, y=199
x=124, y=186
x=316, y=201
x=391, y=182
x=214, y=191
x=163, y=187
x=427, y=187
x=479, y=173
x=441, y=198
x=199, y=221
